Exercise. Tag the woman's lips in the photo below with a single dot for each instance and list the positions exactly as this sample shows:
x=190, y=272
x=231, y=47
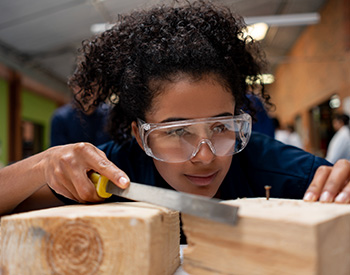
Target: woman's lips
x=202, y=180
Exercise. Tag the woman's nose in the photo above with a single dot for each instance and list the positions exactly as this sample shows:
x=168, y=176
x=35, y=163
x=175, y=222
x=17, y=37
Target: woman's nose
x=205, y=152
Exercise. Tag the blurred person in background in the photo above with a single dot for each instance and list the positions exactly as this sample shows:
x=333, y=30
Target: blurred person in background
x=280, y=133
x=293, y=137
x=264, y=123
x=71, y=124
x=339, y=146
x=287, y=136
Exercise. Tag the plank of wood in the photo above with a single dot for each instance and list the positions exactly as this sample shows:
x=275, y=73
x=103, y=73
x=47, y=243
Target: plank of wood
x=114, y=238
x=273, y=236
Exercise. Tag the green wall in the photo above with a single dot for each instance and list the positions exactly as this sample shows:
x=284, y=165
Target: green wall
x=3, y=122
x=38, y=110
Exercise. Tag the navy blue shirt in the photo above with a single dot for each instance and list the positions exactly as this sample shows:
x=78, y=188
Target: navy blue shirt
x=71, y=125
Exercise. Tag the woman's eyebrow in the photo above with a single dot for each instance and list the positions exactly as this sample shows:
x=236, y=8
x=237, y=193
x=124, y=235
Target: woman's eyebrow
x=171, y=119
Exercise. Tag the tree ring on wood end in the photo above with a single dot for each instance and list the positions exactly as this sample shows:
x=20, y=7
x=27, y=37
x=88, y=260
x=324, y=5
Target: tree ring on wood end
x=75, y=247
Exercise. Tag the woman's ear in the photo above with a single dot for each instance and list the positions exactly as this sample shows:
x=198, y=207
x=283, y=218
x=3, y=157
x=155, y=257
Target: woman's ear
x=136, y=132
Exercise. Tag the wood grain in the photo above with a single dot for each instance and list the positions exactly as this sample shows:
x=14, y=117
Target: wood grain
x=272, y=237
x=116, y=238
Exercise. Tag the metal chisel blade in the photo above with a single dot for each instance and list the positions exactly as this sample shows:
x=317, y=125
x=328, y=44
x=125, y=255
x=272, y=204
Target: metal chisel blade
x=195, y=205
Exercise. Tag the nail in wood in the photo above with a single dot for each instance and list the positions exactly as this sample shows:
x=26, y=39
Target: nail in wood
x=267, y=191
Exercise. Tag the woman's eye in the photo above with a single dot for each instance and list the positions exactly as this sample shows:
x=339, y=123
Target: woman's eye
x=219, y=128
x=177, y=132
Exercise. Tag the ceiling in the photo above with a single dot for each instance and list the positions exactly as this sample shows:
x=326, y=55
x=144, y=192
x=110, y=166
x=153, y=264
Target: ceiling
x=40, y=37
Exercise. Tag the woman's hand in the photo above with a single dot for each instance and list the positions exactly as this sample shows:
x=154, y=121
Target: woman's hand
x=330, y=184
x=66, y=167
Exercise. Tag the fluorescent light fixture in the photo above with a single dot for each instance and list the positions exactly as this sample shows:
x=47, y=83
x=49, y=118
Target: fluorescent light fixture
x=257, y=31
x=255, y=21
x=98, y=28
x=263, y=78
x=286, y=19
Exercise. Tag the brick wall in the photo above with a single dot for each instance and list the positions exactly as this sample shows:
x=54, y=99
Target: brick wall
x=317, y=67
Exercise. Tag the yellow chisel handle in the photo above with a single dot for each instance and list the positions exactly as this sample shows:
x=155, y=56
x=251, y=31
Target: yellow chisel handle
x=100, y=183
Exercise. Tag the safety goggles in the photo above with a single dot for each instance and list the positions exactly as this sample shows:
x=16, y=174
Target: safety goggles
x=179, y=141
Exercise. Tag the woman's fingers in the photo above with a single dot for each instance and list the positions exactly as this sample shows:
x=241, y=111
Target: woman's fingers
x=314, y=191
x=330, y=184
x=67, y=171
x=93, y=159
x=61, y=182
x=336, y=181
x=344, y=195
x=343, y=177
x=107, y=168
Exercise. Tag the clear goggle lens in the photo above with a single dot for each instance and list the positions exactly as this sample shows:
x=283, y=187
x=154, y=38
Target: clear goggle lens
x=180, y=141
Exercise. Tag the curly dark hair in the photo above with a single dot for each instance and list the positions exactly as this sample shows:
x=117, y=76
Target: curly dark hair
x=158, y=44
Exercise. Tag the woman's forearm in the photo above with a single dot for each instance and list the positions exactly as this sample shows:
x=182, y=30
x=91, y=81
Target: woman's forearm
x=20, y=180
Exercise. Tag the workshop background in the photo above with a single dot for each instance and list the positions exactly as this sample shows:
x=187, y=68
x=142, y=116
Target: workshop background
x=307, y=43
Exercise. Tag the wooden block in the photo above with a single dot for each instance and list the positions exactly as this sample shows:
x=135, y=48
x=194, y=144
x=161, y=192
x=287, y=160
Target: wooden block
x=114, y=238
x=272, y=237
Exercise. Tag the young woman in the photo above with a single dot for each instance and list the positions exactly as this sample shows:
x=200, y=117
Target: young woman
x=178, y=80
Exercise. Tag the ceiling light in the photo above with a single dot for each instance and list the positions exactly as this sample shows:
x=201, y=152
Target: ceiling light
x=334, y=102
x=98, y=28
x=257, y=31
x=262, y=79
x=267, y=78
